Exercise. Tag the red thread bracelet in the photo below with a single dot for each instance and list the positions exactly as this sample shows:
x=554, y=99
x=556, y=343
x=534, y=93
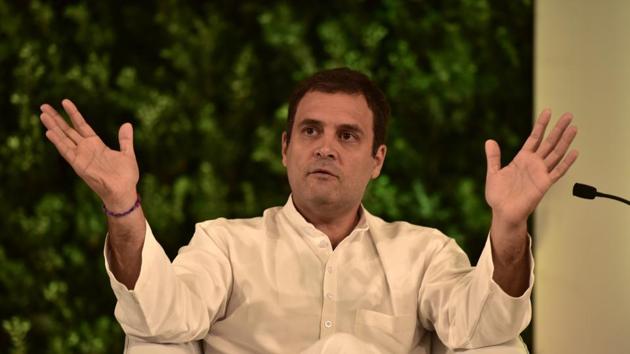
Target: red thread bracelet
x=118, y=215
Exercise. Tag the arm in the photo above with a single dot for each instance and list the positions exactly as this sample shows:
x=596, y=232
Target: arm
x=175, y=302
x=490, y=304
x=157, y=301
x=463, y=305
x=111, y=174
x=514, y=191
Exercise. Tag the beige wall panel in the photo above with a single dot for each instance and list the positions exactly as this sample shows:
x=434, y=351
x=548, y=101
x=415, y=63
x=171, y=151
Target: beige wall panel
x=582, y=248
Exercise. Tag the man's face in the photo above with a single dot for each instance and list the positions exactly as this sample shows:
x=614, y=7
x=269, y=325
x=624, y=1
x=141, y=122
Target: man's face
x=329, y=158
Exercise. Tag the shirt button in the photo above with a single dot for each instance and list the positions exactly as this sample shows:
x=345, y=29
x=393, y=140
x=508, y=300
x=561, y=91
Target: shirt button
x=328, y=324
x=330, y=269
x=329, y=296
x=323, y=244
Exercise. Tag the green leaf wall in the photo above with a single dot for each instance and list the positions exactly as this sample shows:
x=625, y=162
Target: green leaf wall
x=205, y=85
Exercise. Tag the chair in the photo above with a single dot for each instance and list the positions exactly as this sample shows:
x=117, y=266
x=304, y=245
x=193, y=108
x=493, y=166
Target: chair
x=137, y=346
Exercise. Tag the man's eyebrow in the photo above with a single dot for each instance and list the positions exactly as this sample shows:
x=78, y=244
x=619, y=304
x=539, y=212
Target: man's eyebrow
x=355, y=128
x=311, y=122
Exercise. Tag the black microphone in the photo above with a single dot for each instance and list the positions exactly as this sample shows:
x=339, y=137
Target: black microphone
x=589, y=192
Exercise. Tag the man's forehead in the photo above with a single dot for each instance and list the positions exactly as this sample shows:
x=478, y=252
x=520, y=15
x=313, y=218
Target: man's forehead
x=337, y=108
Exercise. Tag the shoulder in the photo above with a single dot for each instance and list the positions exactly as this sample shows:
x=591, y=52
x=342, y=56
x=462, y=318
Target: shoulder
x=405, y=235
x=406, y=250
x=403, y=229
x=226, y=225
x=244, y=227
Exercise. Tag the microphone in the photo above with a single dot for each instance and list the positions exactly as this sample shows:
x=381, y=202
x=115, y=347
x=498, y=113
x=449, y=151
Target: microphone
x=589, y=192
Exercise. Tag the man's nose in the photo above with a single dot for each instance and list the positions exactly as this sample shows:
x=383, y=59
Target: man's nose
x=326, y=149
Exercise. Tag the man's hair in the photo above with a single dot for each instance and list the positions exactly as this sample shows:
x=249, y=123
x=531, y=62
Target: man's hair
x=348, y=81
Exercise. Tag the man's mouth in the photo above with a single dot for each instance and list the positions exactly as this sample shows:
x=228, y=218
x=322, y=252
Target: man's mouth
x=322, y=172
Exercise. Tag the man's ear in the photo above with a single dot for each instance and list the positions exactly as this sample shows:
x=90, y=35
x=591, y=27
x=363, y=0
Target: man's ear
x=379, y=159
x=285, y=145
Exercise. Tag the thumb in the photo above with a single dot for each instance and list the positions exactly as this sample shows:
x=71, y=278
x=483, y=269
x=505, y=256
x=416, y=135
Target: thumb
x=493, y=156
x=125, y=138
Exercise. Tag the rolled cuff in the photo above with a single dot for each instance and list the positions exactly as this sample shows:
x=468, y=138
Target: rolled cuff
x=131, y=308
x=503, y=317
x=485, y=265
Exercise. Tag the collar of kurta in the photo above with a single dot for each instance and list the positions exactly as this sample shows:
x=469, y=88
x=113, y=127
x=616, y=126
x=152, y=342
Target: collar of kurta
x=298, y=221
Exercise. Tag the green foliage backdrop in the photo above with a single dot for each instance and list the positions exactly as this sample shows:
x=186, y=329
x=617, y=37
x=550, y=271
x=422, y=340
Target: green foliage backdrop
x=206, y=85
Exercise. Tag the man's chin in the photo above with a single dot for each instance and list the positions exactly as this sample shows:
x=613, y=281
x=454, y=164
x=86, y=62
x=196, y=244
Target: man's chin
x=321, y=196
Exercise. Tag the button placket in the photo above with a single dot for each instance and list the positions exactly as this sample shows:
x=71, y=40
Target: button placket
x=329, y=306
x=315, y=239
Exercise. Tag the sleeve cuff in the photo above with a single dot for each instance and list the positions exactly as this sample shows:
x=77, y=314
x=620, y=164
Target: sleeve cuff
x=133, y=306
x=151, y=250
x=485, y=266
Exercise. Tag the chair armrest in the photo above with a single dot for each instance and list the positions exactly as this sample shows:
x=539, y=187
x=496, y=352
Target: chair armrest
x=138, y=346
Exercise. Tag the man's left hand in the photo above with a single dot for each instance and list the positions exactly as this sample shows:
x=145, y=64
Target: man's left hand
x=514, y=191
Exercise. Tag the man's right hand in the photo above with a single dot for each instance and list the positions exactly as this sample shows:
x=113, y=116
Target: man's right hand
x=111, y=174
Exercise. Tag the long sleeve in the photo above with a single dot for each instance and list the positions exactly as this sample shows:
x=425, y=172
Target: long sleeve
x=465, y=306
x=174, y=302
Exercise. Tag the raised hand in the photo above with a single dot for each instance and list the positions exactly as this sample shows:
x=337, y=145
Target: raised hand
x=111, y=174
x=514, y=191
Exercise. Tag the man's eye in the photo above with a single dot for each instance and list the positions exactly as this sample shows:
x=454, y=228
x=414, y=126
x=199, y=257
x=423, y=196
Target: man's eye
x=347, y=136
x=310, y=131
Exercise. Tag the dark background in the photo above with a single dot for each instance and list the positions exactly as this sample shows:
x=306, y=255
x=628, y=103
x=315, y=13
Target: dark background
x=205, y=85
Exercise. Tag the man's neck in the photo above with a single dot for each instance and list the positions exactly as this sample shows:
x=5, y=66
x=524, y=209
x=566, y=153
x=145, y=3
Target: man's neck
x=335, y=225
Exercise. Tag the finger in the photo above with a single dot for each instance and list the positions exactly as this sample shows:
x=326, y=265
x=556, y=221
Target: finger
x=563, y=167
x=561, y=148
x=77, y=119
x=62, y=144
x=534, y=139
x=57, y=119
x=63, y=137
x=550, y=143
x=52, y=123
x=125, y=138
x=48, y=121
x=493, y=156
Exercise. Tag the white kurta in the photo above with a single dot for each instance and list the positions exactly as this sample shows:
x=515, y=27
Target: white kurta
x=274, y=284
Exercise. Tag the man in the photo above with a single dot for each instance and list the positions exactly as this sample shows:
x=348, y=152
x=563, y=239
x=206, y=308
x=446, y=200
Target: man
x=321, y=267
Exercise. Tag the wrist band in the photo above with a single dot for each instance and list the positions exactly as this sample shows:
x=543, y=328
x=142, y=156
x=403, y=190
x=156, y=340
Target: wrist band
x=117, y=215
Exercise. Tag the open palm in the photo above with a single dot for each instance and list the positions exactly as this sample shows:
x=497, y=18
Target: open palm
x=515, y=190
x=109, y=173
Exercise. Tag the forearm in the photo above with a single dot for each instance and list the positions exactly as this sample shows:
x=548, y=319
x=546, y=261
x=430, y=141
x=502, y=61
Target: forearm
x=510, y=255
x=165, y=304
x=465, y=306
x=125, y=241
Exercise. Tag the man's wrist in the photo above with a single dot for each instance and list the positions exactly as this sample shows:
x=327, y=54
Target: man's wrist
x=509, y=240
x=121, y=202
x=135, y=206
